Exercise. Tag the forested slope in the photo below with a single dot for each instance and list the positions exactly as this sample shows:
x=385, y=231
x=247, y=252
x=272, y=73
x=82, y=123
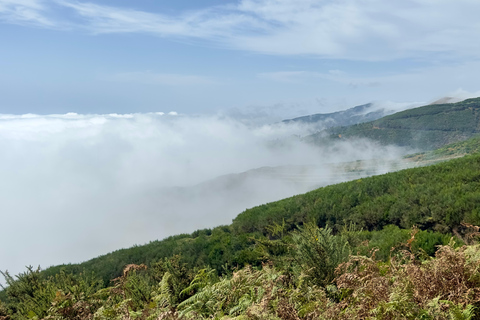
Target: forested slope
x=425, y=128
x=359, y=249
x=436, y=198
x=453, y=150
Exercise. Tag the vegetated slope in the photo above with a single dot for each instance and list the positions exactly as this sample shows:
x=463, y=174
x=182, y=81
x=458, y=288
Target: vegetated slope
x=298, y=270
x=423, y=128
x=453, y=150
x=315, y=278
x=436, y=198
x=358, y=114
x=266, y=184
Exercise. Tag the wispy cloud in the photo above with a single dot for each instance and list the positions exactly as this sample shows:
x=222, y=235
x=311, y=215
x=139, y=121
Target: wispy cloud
x=343, y=29
x=210, y=24
x=25, y=12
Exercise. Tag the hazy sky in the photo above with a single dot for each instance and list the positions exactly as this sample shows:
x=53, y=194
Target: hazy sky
x=104, y=56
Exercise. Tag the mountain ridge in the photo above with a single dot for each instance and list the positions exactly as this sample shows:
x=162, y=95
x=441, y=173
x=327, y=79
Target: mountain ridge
x=357, y=114
x=424, y=128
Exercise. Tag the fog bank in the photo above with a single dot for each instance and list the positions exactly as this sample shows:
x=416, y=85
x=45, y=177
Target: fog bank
x=76, y=186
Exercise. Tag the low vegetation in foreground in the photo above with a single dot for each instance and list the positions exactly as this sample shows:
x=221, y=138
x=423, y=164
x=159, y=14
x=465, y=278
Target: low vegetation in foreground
x=396, y=246
x=319, y=276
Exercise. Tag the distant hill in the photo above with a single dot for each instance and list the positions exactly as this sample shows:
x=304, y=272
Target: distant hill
x=424, y=128
x=358, y=114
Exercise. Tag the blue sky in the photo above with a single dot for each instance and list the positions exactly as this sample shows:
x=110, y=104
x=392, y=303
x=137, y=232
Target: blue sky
x=59, y=56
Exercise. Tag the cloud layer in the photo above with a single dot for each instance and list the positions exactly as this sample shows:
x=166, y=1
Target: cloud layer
x=342, y=29
x=77, y=186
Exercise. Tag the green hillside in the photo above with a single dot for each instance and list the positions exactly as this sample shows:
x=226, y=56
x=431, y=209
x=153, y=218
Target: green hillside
x=425, y=128
x=358, y=114
x=453, y=150
x=360, y=249
x=435, y=198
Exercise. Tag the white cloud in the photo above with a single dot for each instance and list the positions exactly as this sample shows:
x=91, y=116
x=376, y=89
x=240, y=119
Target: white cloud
x=342, y=29
x=208, y=24
x=76, y=186
x=25, y=12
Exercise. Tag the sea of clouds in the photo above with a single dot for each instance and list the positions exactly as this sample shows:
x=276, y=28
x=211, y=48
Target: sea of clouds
x=76, y=186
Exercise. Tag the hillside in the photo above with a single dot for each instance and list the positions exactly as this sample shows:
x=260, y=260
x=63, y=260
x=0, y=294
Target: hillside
x=436, y=198
x=290, y=259
x=424, y=128
x=453, y=150
x=379, y=214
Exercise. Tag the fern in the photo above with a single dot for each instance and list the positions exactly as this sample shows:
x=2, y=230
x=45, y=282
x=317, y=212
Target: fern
x=319, y=252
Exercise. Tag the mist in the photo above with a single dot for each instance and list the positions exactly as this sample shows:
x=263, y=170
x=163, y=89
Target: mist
x=77, y=186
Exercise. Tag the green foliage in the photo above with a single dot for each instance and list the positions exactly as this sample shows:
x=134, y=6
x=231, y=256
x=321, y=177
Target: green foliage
x=76, y=295
x=318, y=252
x=241, y=293
x=33, y=295
x=424, y=243
x=175, y=281
x=29, y=295
x=444, y=287
x=435, y=198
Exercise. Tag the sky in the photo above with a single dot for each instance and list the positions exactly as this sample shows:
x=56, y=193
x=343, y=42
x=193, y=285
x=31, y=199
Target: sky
x=59, y=56
x=119, y=118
